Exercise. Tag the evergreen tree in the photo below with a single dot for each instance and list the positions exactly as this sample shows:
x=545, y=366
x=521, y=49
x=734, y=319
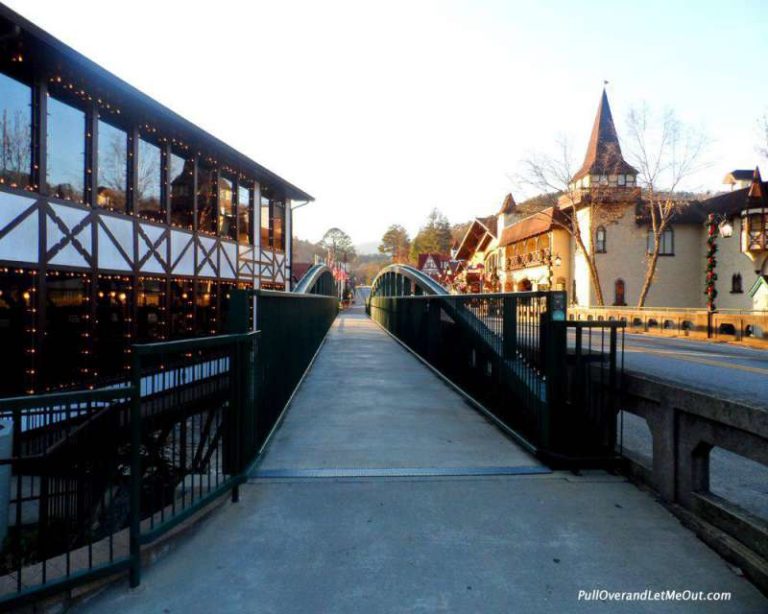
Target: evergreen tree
x=396, y=243
x=434, y=237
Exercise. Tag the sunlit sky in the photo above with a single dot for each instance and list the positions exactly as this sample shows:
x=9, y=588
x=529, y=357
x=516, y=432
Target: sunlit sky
x=384, y=110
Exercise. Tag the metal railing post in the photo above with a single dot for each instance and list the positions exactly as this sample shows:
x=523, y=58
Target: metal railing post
x=135, y=491
x=554, y=346
x=509, y=326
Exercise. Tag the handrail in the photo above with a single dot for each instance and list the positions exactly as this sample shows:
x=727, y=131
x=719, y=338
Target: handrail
x=311, y=277
x=429, y=285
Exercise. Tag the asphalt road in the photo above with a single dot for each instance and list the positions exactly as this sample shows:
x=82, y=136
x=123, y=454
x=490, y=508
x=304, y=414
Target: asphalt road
x=729, y=371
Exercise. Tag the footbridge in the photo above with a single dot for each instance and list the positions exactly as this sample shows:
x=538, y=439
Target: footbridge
x=427, y=452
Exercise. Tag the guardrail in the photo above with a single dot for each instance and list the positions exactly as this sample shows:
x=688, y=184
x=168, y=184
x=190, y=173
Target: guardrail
x=723, y=324
x=510, y=352
x=95, y=475
x=685, y=427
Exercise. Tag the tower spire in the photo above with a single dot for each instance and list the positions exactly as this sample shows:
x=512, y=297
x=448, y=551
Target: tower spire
x=604, y=155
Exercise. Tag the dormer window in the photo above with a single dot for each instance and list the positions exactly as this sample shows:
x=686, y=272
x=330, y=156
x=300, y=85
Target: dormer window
x=622, y=179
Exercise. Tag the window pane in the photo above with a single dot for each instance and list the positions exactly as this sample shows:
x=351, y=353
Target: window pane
x=150, y=307
x=17, y=321
x=206, y=201
x=113, y=327
x=266, y=218
x=244, y=197
x=67, y=336
x=66, y=151
x=148, y=189
x=182, y=309
x=16, y=147
x=113, y=167
x=278, y=225
x=205, y=312
x=180, y=174
x=227, y=219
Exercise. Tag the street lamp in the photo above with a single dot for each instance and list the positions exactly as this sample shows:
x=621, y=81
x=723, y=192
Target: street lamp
x=726, y=228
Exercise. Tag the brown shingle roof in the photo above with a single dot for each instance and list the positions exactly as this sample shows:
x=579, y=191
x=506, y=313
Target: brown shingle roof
x=533, y=225
x=604, y=152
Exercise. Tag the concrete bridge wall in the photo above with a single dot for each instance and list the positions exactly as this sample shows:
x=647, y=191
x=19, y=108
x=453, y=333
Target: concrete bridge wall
x=686, y=426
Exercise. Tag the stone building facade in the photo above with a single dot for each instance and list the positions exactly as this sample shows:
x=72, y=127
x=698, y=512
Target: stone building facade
x=605, y=204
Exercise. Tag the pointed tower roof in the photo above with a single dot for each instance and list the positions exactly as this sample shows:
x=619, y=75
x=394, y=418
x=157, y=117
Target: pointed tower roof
x=509, y=205
x=604, y=152
x=757, y=190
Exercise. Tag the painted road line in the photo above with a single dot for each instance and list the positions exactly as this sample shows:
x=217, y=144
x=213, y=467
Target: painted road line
x=702, y=361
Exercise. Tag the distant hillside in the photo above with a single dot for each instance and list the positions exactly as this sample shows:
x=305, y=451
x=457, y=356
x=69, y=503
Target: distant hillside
x=370, y=247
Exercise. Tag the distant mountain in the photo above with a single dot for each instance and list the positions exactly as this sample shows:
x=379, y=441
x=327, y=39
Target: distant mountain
x=371, y=247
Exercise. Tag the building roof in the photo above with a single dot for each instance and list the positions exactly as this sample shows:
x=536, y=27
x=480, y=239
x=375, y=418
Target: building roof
x=738, y=175
x=732, y=203
x=604, y=155
x=42, y=50
x=438, y=259
x=530, y=226
x=757, y=195
x=477, y=231
x=508, y=206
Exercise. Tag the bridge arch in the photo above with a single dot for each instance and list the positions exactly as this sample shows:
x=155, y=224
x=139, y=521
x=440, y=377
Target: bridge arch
x=405, y=280
x=317, y=280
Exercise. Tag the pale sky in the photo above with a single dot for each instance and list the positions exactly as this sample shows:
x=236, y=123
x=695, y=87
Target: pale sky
x=384, y=110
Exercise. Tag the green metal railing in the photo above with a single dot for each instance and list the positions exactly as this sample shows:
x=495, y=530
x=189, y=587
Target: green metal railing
x=95, y=475
x=511, y=353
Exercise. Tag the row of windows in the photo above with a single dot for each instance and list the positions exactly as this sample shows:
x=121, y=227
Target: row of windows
x=666, y=241
x=220, y=205
x=83, y=317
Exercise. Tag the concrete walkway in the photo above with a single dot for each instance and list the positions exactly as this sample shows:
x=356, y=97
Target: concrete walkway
x=384, y=492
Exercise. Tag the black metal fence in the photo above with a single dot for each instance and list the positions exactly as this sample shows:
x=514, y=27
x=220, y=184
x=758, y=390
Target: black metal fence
x=92, y=476
x=511, y=353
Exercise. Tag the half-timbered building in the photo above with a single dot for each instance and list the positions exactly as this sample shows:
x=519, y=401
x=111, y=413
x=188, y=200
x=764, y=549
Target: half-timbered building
x=120, y=221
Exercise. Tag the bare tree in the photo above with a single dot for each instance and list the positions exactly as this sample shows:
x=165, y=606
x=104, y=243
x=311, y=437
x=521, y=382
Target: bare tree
x=553, y=174
x=666, y=153
x=762, y=123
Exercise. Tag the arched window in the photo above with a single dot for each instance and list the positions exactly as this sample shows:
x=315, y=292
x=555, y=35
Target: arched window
x=666, y=242
x=619, y=296
x=600, y=240
x=736, y=284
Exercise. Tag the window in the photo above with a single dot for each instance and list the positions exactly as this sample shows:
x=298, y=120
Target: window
x=244, y=213
x=66, y=151
x=180, y=173
x=227, y=216
x=266, y=218
x=112, y=167
x=619, y=293
x=149, y=182
x=278, y=226
x=574, y=300
x=736, y=284
x=206, y=200
x=150, y=310
x=666, y=242
x=16, y=133
x=181, y=302
x=600, y=240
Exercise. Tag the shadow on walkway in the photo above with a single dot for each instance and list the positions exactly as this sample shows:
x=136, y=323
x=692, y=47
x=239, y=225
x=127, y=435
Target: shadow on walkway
x=420, y=505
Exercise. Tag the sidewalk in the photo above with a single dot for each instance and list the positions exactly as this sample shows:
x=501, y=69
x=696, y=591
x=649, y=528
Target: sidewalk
x=383, y=491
